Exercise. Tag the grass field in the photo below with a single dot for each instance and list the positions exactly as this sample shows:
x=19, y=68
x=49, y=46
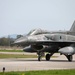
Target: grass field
x=49, y=72
x=11, y=51
x=16, y=56
x=20, y=56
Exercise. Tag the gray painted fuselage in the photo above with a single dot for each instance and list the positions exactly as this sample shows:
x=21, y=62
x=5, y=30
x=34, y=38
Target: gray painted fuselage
x=41, y=41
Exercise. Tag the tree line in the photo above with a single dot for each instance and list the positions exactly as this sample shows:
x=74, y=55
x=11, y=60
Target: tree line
x=8, y=41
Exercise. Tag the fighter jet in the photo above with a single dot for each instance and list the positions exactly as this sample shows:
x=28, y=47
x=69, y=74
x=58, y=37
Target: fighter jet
x=41, y=41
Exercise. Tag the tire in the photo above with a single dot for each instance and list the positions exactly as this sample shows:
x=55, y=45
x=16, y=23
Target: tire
x=47, y=57
x=69, y=58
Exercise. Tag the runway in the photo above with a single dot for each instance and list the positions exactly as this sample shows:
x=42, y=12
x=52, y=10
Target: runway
x=29, y=64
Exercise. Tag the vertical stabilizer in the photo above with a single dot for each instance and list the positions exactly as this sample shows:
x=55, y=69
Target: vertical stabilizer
x=73, y=27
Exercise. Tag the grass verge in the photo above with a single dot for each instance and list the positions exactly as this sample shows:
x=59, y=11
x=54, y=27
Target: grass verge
x=17, y=56
x=48, y=72
x=11, y=51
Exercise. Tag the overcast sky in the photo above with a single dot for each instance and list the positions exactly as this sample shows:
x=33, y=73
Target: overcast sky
x=21, y=16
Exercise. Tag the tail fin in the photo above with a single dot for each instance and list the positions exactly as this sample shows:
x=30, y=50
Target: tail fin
x=73, y=27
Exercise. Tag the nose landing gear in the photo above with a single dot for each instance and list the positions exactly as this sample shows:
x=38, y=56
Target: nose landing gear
x=40, y=54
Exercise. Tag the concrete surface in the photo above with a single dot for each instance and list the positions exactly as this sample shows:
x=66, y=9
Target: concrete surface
x=28, y=64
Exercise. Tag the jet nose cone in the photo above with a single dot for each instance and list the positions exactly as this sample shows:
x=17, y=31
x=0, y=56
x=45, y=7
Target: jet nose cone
x=21, y=40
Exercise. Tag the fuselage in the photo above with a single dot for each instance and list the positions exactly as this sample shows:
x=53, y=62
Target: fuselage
x=41, y=41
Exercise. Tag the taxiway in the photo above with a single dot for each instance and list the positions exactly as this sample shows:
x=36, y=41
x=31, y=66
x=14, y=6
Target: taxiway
x=29, y=64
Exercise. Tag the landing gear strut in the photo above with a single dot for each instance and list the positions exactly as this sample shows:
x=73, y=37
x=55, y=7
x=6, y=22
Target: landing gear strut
x=69, y=57
x=39, y=55
x=48, y=56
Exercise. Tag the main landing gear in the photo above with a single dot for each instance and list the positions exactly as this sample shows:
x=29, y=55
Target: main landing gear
x=69, y=57
x=48, y=56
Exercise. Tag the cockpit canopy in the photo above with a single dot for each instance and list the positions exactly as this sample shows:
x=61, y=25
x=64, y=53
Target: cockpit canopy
x=37, y=31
